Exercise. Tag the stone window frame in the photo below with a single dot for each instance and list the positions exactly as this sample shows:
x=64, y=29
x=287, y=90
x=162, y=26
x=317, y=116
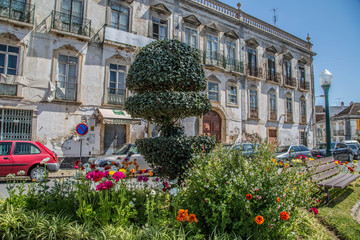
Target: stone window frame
x=272, y=91
x=232, y=84
x=161, y=15
x=301, y=101
x=11, y=40
x=123, y=4
x=255, y=89
x=118, y=60
x=213, y=34
x=67, y=50
x=219, y=89
x=231, y=41
x=193, y=28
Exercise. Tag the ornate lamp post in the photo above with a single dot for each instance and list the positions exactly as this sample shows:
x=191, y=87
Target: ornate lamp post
x=325, y=81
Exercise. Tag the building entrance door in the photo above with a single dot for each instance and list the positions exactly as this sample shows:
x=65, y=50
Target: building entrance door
x=212, y=125
x=115, y=136
x=272, y=136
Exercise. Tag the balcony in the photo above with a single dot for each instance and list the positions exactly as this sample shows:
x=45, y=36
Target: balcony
x=339, y=132
x=253, y=71
x=289, y=82
x=113, y=35
x=289, y=117
x=254, y=113
x=234, y=65
x=8, y=90
x=272, y=76
x=65, y=22
x=303, y=119
x=18, y=11
x=213, y=59
x=116, y=96
x=305, y=86
x=273, y=116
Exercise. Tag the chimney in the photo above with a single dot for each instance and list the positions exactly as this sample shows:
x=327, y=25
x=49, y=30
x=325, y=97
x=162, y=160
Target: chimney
x=342, y=104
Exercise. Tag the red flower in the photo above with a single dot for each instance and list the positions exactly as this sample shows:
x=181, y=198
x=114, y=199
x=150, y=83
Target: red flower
x=314, y=210
x=351, y=170
x=284, y=216
x=248, y=196
x=92, y=166
x=77, y=163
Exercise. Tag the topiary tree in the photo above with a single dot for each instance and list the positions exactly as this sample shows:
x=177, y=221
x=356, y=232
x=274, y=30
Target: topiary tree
x=167, y=79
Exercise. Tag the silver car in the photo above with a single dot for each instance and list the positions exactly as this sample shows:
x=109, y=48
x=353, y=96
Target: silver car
x=129, y=151
x=286, y=153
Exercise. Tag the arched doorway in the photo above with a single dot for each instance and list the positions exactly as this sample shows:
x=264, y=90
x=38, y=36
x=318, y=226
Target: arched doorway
x=212, y=125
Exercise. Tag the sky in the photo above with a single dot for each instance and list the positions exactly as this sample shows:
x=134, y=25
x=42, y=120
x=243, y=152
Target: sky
x=334, y=29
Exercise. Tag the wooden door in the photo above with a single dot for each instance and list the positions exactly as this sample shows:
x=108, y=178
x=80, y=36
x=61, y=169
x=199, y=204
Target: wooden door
x=212, y=125
x=272, y=136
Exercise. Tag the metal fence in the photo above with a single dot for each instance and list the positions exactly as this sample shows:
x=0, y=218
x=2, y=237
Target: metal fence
x=16, y=124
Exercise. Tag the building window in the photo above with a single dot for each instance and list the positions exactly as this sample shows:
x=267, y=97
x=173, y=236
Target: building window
x=119, y=17
x=72, y=13
x=67, y=78
x=230, y=52
x=252, y=65
x=303, y=111
x=213, y=91
x=212, y=47
x=287, y=65
x=191, y=37
x=302, y=77
x=9, y=59
x=117, y=89
x=159, y=28
x=289, y=110
x=253, y=104
x=272, y=106
x=232, y=95
x=271, y=73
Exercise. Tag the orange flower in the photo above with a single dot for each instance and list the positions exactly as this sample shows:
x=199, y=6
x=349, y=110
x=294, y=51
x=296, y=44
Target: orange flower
x=132, y=171
x=278, y=199
x=151, y=173
x=192, y=218
x=259, y=219
x=281, y=163
x=113, y=163
x=182, y=215
x=248, y=196
x=284, y=216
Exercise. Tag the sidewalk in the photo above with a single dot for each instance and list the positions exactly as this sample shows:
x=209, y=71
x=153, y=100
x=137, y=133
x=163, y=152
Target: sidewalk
x=62, y=173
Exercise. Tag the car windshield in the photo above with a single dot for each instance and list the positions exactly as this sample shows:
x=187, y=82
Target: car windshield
x=245, y=147
x=352, y=146
x=283, y=149
x=320, y=146
x=122, y=150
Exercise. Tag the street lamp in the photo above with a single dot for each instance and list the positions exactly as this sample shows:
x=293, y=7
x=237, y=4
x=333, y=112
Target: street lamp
x=325, y=81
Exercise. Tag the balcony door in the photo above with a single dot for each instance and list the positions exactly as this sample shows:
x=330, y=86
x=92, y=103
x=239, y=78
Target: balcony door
x=72, y=15
x=212, y=125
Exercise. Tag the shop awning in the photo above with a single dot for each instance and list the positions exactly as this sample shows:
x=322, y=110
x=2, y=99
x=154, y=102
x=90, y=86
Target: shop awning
x=116, y=116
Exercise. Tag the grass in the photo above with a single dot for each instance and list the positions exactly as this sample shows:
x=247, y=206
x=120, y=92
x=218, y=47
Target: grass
x=336, y=214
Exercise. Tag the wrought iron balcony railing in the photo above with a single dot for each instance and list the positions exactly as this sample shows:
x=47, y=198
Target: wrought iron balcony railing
x=340, y=132
x=304, y=85
x=272, y=76
x=289, y=81
x=116, y=96
x=273, y=115
x=254, y=113
x=289, y=117
x=254, y=71
x=219, y=60
x=303, y=119
x=69, y=23
x=16, y=10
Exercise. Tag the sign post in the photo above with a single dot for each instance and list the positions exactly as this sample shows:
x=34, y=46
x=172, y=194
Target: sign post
x=82, y=130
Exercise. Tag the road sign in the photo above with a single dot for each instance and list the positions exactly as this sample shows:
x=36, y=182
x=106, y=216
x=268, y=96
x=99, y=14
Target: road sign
x=82, y=129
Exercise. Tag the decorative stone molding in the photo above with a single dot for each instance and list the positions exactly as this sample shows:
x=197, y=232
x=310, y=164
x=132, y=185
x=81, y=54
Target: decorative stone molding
x=231, y=34
x=252, y=43
x=192, y=19
x=160, y=8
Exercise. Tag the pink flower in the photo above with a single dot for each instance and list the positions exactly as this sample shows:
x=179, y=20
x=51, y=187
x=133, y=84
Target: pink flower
x=76, y=166
x=96, y=175
x=318, y=156
x=256, y=190
x=118, y=175
x=314, y=210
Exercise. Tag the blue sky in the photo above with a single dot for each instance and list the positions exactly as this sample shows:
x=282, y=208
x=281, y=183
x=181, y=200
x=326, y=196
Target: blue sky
x=334, y=28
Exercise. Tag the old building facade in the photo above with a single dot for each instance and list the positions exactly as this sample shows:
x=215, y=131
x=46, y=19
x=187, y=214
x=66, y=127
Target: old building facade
x=64, y=62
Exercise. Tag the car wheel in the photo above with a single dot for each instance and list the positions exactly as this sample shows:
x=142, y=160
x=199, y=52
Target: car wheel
x=351, y=157
x=38, y=173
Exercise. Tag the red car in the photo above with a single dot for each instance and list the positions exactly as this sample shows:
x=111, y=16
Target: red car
x=32, y=157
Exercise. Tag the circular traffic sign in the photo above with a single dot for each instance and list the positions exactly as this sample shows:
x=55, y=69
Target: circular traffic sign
x=82, y=129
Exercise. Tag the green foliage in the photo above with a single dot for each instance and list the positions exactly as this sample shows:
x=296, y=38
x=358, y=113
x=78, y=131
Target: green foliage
x=167, y=65
x=219, y=182
x=164, y=107
x=171, y=156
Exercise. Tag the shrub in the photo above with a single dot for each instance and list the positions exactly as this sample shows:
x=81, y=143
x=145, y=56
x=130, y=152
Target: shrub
x=250, y=197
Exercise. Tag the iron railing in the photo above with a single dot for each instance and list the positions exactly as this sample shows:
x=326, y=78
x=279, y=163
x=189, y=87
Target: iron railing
x=116, y=96
x=303, y=119
x=7, y=89
x=289, y=117
x=304, y=85
x=273, y=115
x=254, y=113
x=69, y=23
x=254, y=71
x=16, y=124
x=234, y=65
x=66, y=91
x=272, y=76
x=16, y=10
x=339, y=132
x=219, y=60
x=289, y=81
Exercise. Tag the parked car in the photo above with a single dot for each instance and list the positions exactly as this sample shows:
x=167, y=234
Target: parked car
x=352, y=142
x=287, y=153
x=27, y=156
x=246, y=149
x=356, y=150
x=340, y=151
x=127, y=150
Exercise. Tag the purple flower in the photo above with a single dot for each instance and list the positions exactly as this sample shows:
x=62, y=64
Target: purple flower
x=145, y=179
x=140, y=178
x=157, y=179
